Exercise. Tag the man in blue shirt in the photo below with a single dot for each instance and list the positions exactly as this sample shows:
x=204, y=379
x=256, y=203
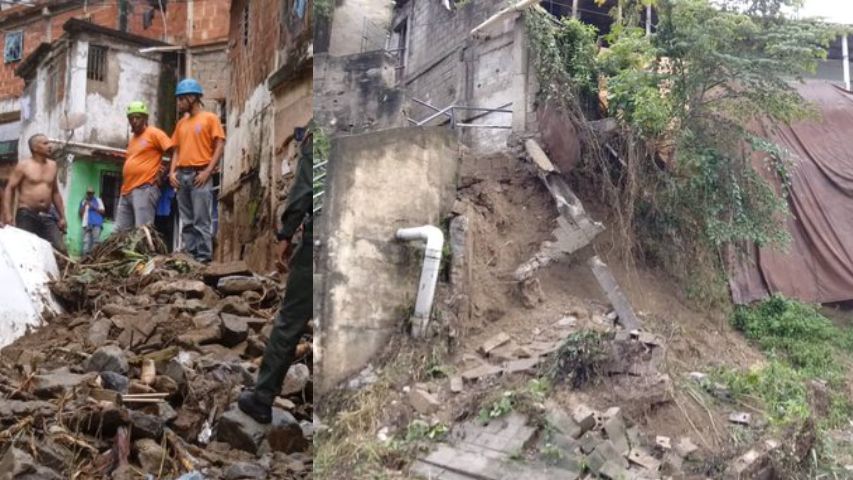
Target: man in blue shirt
x=92, y=214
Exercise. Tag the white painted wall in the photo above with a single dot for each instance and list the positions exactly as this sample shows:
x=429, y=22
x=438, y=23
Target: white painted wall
x=106, y=120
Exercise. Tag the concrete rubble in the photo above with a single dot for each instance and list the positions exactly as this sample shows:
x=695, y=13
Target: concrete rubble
x=140, y=375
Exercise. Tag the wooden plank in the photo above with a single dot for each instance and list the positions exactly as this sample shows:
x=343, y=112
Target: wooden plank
x=614, y=294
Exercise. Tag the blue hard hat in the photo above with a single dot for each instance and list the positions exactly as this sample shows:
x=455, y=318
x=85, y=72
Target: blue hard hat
x=188, y=86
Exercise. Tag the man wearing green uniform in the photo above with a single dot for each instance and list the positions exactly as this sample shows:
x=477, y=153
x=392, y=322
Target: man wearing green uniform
x=296, y=306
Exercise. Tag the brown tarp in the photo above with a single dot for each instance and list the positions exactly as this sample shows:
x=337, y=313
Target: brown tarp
x=817, y=265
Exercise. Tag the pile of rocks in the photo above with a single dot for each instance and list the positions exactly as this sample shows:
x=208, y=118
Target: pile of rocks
x=140, y=377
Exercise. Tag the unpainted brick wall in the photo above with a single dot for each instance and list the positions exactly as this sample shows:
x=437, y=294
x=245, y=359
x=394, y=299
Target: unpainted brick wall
x=252, y=63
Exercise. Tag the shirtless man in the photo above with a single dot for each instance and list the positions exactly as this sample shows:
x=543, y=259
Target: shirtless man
x=35, y=182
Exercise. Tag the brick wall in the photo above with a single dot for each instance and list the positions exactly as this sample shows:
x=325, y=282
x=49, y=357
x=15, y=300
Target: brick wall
x=210, y=25
x=251, y=63
x=211, y=68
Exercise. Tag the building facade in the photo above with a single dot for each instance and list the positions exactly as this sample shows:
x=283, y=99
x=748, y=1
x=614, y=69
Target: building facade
x=270, y=91
x=76, y=90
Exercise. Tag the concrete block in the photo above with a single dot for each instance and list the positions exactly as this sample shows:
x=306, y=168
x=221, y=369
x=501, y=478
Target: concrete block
x=522, y=365
x=611, y=470
x=584, y=417
x=589, y=441
x=642, y=458
x=663, y=442
x=615, y=429
x=603, y=453
x=740, y=418
x=614, y=294
x=560, y=420
x=456, y=384
x=481, y=372
x=494, y=342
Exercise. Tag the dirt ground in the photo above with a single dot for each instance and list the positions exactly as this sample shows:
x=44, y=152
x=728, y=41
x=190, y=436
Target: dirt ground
x=510, y=214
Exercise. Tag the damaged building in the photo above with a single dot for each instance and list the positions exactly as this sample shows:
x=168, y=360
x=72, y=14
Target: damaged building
x=197, y=31
x=270, y=95
x=76, y=92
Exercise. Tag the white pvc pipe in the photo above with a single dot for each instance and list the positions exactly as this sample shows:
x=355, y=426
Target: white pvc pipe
x=429, y=273
x=846, y=56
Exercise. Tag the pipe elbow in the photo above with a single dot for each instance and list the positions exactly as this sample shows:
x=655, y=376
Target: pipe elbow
x=433, y=236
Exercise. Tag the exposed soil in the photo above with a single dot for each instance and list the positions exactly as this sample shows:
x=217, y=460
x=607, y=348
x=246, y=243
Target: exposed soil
x=510, y=214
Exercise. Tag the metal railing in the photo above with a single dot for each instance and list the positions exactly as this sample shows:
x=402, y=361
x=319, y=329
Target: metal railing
x=319, y=185
x=457, y=120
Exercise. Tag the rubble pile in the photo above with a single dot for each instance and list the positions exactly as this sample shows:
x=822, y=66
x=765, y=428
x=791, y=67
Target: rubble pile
x=138, y=379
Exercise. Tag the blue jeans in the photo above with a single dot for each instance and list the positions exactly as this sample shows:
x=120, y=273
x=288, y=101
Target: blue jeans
x=91, y=238
x=194, y=205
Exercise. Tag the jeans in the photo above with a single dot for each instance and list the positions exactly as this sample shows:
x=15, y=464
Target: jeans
x=137, y=208
x=194, y=205
x=91, y=238
x=290, y=322
x=41, y=224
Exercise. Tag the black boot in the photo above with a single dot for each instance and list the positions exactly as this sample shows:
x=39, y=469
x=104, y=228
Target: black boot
x=254, y=408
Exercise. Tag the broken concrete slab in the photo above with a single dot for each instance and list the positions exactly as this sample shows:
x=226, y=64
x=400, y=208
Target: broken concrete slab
x=456, y=384
x=423, y=401
x=189, y=288
x=644, y=459
x=561, y=421
x=614, y=294
x=214, y=271
x=612, y=470
x=481, y=372
x=494, y=342
x=589, y=441
x=99, y=332
x=297, y=378
x=507, y=434
x=21, y=409
x=234, y=329
x=145, y=426
x=584, y=417
x=615, y=429
x=57, y=382
x=522, y=365
x=237, y=284
x=108, y=358
x=603, y=453
x=285, y=433
x=663, y=442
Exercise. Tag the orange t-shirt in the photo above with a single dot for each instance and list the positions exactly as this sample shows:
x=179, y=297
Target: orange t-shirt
x=144, y=154
x=194, y=137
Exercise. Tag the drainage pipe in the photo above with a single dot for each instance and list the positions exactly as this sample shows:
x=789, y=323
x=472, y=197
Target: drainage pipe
x=434, y=238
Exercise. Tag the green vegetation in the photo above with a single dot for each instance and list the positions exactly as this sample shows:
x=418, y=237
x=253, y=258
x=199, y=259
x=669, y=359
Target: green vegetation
x=686, y=99
x=802, y=345
x=798, y=334
x=578, y=359
x=524, y=399
x=419, y=430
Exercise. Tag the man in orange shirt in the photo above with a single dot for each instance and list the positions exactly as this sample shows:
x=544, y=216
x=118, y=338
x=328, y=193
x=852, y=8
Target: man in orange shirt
x=199, y=141
x=139, y=189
